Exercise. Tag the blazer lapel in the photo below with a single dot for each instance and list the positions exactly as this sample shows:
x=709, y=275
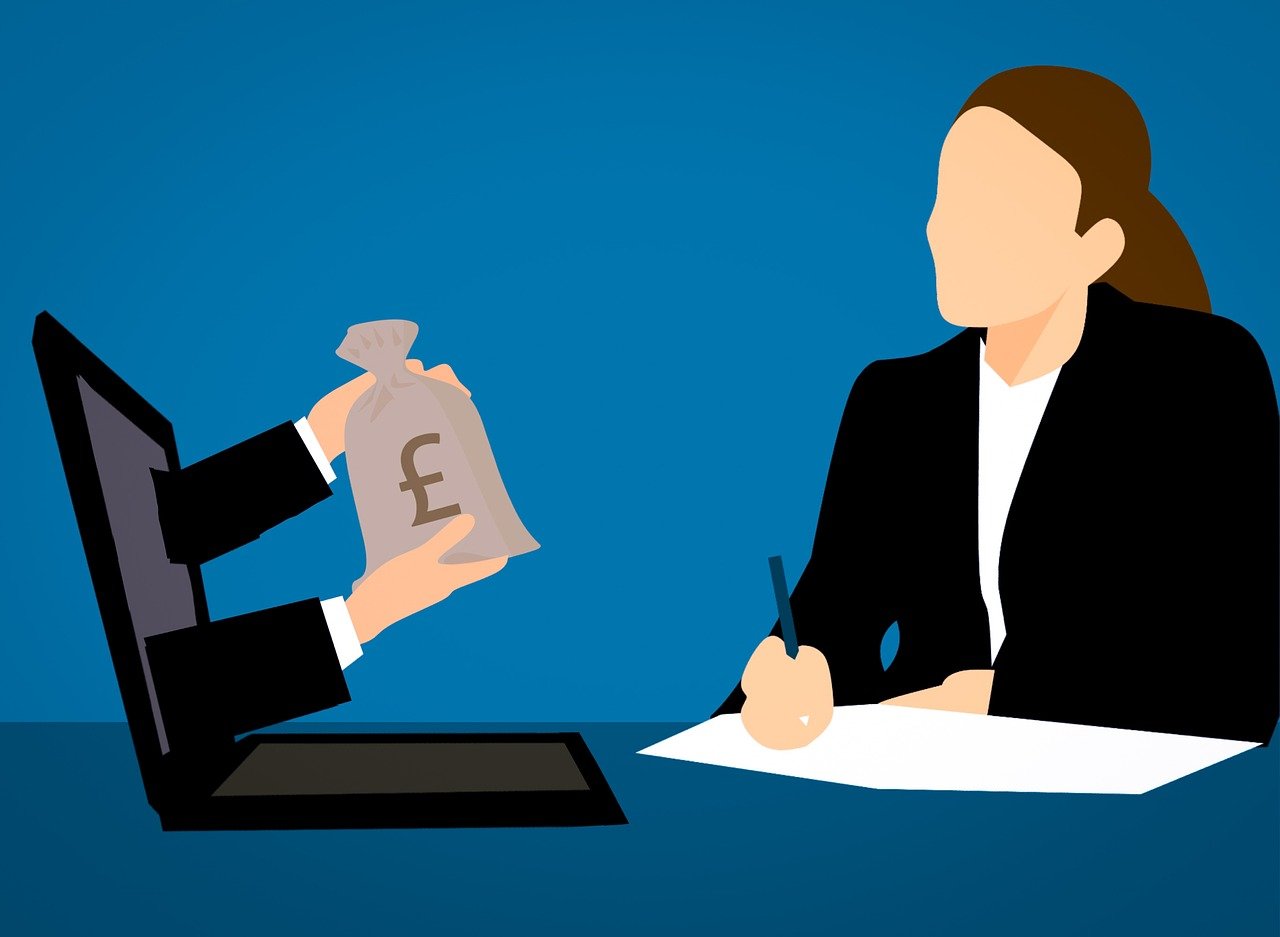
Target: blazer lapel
x=1059, y=439
x=953, y=473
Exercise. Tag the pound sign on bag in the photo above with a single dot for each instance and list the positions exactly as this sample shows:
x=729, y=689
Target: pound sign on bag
x=418, y=483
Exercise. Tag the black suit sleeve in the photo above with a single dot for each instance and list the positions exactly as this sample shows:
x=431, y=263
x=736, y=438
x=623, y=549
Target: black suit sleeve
x=1225, y=682
x=240, y=674
x=233, y=497
x=842, y=603
x=1179, y=626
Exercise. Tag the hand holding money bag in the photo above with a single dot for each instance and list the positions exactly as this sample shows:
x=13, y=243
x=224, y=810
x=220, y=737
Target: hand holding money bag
x=418, y=455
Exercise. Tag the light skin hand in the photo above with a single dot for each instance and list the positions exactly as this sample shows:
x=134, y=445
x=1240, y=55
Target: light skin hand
x=966, y=691
x=416, y=580
x=328, y=418
x=789, y=702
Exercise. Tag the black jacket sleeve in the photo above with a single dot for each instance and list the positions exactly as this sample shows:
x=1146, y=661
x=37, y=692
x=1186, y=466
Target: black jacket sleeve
x=1176, y=627
x=1215, y=669
x=1241, y=523
x=842, y=604
x=233, y=497
x=239, y=674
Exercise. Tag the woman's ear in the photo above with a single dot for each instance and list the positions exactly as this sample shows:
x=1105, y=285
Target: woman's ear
x=1100, y=248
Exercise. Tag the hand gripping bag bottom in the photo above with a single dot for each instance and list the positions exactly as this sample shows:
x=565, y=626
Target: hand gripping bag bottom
x=418, y=456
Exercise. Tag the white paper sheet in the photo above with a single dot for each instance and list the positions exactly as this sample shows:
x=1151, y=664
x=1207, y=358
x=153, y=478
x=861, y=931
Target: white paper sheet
x=905, y=748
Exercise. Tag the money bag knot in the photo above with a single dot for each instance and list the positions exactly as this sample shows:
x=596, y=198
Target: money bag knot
x=379, y=347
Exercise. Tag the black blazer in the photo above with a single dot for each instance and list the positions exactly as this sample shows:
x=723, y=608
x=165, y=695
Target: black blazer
x=239, y=674
x=1139, y=567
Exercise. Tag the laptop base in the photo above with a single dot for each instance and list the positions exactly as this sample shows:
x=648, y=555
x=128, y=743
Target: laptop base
x=401, y=780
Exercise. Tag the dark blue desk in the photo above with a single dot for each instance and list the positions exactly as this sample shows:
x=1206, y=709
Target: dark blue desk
x=708, y=851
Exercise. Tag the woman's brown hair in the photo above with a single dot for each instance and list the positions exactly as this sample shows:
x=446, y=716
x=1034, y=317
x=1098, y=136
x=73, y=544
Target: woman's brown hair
x=1095, y=126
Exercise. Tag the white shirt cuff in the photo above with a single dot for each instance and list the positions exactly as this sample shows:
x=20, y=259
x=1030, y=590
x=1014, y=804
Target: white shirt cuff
x=342, y=630
x=317, y=451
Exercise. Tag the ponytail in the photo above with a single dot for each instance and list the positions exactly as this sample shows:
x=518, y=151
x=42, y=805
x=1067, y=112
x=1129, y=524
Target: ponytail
x=1158, y=265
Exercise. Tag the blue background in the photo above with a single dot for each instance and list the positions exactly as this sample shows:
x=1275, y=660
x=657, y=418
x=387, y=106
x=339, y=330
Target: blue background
x=657, y=240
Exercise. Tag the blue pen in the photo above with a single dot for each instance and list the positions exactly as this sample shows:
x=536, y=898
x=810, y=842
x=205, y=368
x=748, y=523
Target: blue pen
x=784, y=606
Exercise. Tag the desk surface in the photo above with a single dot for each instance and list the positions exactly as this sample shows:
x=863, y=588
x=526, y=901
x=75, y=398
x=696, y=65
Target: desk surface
x=708, y=850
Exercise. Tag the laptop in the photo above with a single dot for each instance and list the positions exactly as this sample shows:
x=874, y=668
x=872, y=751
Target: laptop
x=110, y=439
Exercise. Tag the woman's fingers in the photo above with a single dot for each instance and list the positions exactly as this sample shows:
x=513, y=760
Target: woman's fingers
x=770, y=667
x=775, y=724
x=789, y=701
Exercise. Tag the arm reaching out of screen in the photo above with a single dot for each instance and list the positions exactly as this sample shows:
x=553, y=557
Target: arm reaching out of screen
x=231, y=498
x=415, y=580
x=279, y=663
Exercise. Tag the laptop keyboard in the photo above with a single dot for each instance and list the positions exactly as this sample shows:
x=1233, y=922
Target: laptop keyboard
x=296, y=768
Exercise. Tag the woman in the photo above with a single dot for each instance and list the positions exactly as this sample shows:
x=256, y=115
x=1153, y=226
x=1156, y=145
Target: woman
x=1070, y=508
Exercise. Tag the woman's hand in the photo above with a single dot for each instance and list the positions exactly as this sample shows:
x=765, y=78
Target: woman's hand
x=328, y=418
x=415, y=580
x=966, y=691
x=789, y=702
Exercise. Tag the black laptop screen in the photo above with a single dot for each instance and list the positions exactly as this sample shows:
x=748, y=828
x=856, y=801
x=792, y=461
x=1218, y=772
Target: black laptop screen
x=158, y=592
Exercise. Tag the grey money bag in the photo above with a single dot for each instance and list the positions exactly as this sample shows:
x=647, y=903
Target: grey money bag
x=418, y=456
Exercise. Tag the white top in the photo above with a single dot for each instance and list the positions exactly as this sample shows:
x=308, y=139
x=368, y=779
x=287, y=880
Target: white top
x=1008, y=417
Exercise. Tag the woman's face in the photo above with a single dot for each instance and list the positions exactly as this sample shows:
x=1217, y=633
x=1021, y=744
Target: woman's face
x=1002, y=230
